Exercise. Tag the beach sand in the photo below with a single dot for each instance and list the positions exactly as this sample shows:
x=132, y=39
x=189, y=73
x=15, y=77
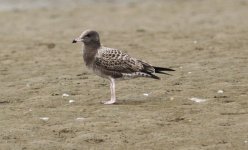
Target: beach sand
x=206, y=43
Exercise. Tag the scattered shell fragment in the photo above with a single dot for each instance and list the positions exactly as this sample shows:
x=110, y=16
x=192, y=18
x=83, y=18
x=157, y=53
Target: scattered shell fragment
x=171, y=98
x=189, y=72
x=44, y=118
x=80, y=118
x=197, y=100
x=146, y=94
x=220, y=91
x=195, y=42
x=71, y=101
x=65, y=95
x=245, y=141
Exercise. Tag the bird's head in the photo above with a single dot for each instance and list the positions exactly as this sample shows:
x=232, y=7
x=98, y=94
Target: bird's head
x=88, y=37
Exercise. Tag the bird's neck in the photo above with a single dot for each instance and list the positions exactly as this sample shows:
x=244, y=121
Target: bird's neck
x=92, y=45
x=89, y=53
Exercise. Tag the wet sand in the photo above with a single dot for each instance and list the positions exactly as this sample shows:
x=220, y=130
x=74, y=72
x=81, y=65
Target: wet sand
x=205, y=41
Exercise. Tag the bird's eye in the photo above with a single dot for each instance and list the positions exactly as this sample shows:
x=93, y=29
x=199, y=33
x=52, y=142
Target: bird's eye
x=88, y=35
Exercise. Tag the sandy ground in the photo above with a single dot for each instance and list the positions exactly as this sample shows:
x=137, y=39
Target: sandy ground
x=205, y=41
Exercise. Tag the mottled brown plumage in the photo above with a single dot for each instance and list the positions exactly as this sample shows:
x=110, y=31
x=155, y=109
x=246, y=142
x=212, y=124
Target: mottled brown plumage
x=112, y=63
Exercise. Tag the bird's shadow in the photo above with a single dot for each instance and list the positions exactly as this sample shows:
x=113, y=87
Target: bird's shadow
x=129, y=102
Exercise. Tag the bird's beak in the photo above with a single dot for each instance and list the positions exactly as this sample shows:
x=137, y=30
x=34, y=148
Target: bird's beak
x=77, y=40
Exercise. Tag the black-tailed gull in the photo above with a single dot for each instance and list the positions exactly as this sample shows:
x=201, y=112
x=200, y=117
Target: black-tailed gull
x=112, y=63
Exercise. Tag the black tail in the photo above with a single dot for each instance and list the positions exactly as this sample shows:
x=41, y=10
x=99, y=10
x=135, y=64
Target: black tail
x=150, y=70
x=154, y=76
x=161, y=69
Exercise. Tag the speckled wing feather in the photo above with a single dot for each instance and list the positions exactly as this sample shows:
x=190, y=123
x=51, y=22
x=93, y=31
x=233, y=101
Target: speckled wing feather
x=114, y=62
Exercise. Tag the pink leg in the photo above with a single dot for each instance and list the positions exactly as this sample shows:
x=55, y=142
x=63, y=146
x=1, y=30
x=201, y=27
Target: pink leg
x=112, y=90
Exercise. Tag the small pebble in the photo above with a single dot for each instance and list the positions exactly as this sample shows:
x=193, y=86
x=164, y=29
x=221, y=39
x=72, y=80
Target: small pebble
x=246, y=141
x=195, y=42
x=171, y=98
x=44, y=118
x=220, y=91
x=189, y=72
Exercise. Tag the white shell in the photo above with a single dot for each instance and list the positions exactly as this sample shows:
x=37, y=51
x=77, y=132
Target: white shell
x=197, y=100
x=220, y=91
x=65, y=95
x=44, y=118
x=71, y=101
x=146, y=94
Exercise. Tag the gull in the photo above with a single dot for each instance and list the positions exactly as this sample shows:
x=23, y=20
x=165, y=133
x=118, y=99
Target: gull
x=112, y=64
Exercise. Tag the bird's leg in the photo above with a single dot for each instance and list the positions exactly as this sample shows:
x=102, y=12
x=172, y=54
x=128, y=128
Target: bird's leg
x=112, y=90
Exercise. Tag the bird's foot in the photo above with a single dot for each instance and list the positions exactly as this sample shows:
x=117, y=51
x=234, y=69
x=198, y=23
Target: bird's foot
x=108, y=102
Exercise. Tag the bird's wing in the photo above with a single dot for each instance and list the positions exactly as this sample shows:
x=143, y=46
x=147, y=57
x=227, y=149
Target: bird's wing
x=114, y=60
